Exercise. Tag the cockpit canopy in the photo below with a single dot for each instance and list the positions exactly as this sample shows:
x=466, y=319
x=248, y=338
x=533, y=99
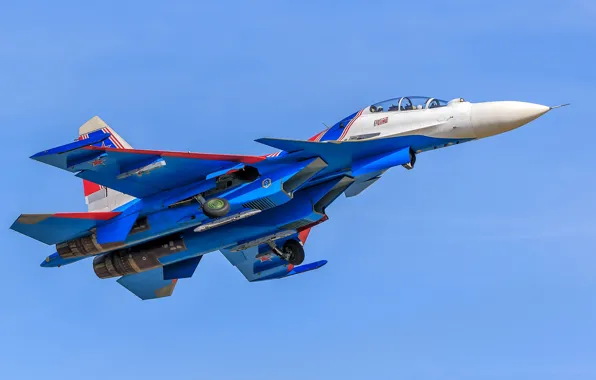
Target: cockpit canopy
x=407, y=103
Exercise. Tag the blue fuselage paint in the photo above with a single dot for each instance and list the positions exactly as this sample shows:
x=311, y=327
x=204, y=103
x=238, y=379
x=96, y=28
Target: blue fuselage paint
x=338, y=128
x=183, y=220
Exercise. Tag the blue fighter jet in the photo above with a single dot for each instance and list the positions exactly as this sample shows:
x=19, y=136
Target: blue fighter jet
x=152, y=215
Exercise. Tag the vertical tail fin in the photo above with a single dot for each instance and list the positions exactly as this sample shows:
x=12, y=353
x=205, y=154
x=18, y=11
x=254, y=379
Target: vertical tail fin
x=95, y=124
x=100, y=198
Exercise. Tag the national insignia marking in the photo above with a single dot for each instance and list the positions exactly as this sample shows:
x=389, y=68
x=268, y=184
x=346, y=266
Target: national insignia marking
x=381, y=121
x=97, y=162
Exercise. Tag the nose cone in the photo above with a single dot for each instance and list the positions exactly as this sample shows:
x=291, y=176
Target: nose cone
x=492, y=118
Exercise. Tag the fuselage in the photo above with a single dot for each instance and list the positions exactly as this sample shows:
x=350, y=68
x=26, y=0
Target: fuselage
x=429, y=123
x=416, y=124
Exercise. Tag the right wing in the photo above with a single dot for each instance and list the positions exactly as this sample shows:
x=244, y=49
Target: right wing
x=135, y=172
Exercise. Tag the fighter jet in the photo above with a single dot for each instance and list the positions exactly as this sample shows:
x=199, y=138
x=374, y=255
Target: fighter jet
x=153, y=214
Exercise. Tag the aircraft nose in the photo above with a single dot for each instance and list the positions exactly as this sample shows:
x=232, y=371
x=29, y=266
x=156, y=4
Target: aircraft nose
x=492, y=118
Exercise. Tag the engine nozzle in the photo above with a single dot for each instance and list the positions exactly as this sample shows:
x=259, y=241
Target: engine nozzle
x=138, y=258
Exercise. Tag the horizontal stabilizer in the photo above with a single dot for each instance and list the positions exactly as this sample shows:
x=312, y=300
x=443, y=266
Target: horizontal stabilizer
x=181, y=269
x=72, y=146
x=149, y=285
x=56, y=228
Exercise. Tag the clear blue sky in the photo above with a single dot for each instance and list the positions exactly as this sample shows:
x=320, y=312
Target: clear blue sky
x=478, y=264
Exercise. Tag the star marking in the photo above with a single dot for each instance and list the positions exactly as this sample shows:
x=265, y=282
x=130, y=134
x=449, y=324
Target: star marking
x=98, y=161
x=265, y=258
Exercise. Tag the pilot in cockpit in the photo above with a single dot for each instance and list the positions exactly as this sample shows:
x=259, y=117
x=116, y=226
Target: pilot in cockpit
x=434, y=104
x=406, y=104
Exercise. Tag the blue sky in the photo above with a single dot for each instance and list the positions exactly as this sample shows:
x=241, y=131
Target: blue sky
x=478, y=264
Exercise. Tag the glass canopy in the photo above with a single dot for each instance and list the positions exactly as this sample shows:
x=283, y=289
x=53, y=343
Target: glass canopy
x=407, y=103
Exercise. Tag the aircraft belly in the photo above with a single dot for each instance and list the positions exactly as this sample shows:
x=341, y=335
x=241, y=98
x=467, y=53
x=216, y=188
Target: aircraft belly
x=200, y=243
x=305, y=208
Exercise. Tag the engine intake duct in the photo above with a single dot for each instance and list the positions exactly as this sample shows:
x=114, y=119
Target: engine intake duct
x=277, y=186
x=306, y=173
x=339, y=187
x=137, y=259
x=405, y=157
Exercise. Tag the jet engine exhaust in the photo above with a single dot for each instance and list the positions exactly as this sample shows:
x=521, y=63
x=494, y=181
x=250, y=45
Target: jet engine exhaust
x=88, y=245
x=138, y=258
x=83, y=246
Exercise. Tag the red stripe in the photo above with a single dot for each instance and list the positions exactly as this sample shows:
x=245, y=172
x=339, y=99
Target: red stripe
x=90, y=187
x=349, y=126
x=303, y=235
x=115, y=142
x=112, y=138
x=87, y=215
x=200, y=156
x=318, y=136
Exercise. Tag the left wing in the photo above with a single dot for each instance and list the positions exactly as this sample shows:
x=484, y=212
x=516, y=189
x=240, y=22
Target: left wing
x=59, y=227
x=135, y=172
